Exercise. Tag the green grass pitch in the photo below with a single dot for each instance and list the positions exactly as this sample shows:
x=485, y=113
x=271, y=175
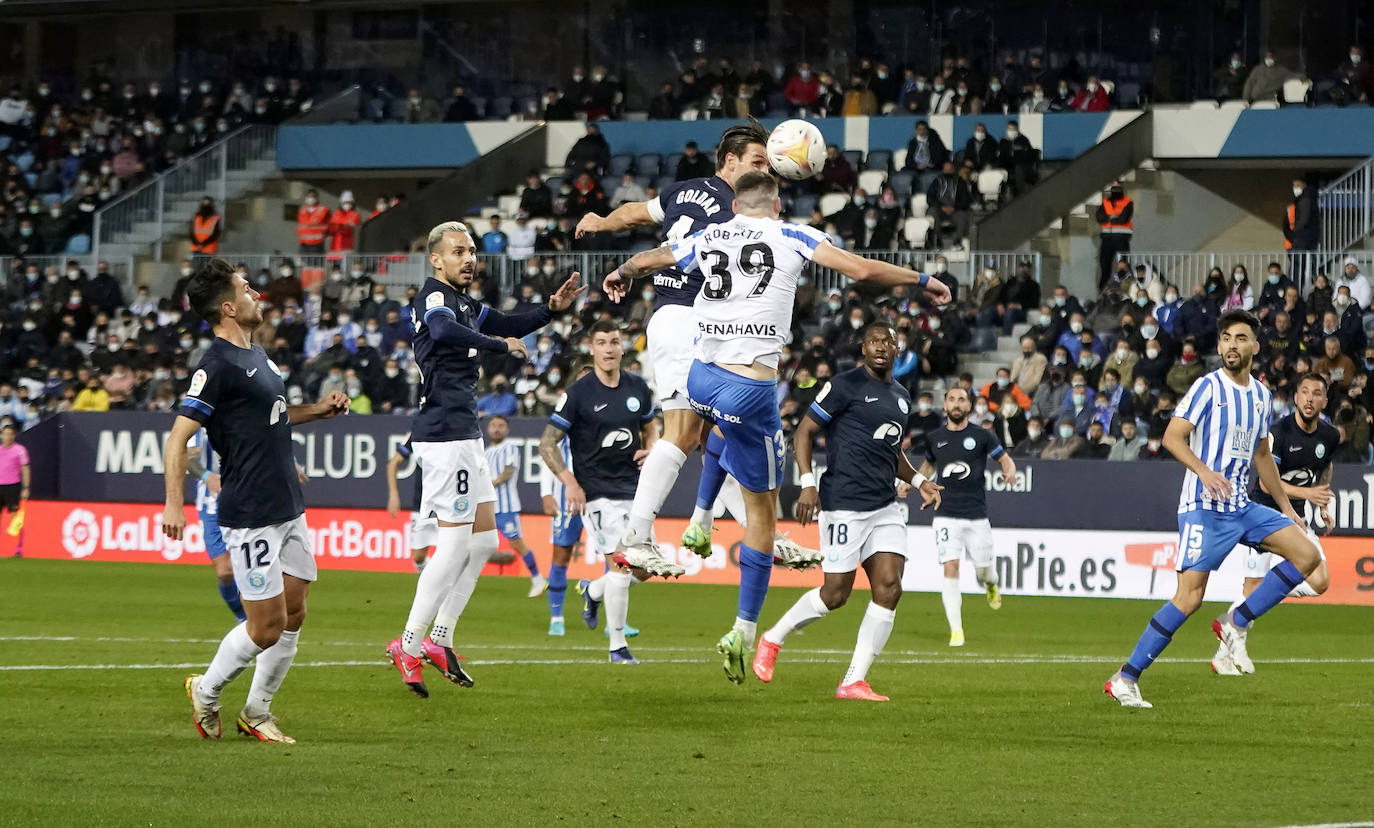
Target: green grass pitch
x=1011, y=730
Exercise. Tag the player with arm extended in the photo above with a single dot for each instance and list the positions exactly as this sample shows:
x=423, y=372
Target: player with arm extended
x=743, y=318
x=422, y=528
x=682, y=209
x=451, y=331
x=1219, y=430
x=956, y=454
x=1302, y=445
x=863, y=414
x=238, y=396
x=608, y=419
x=503, y=463
x=203, y=464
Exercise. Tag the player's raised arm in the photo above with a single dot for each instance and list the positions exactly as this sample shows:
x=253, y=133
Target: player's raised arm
x=496, y=323
x=334, y=403
x=879, y=273
x=617, y=283
x=174, y=469
x=628, y=215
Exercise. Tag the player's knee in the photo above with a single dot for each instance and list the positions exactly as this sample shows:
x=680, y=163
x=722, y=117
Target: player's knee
x=1308, y=558
x=834, y=597
x=1188, y=602
x=225, y=578
x=419, y=555
x=886, y=593
x=1319, y=579
x=266, y=631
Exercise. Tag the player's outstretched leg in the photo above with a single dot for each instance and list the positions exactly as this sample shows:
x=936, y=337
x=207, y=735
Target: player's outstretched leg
x=1158, y=633
x=810, y=607
x=885, y=578
x=697, y=538
x=558, y=592
x=953, y=601
x=236, y=651
x=445, y=566
x=617, y=597
x=1301, y=559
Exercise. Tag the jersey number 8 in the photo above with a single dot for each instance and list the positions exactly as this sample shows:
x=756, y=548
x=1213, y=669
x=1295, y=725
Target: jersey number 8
x=718, y=283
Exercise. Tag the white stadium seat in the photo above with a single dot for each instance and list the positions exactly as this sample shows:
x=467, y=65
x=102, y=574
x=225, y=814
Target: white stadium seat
x=914, y=230
x=832, y=203
x=1295, y=90
x=990, y=183
x=871, y=181
x=918, y=205
x=899, y=158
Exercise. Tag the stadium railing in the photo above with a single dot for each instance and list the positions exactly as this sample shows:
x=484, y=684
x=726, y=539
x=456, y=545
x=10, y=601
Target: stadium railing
x=1186, y=269
x=144, y=215
x=1347, y=208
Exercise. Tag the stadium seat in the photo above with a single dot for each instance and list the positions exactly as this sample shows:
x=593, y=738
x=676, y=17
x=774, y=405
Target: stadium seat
x=509, y=204
x=902, y=183
x=499, y=108
x=918, y=205
x=25, y=161
x=802, y=205
x=832, y=203
x=52, y=198
x=664, y=182
x=871, y=181
x=1208, y=104
x=915, y=230
x=644, y=181
x=1265, y=105
x=899, y=158
x=690, y=113
x=554, y=182
x=1295, y=91
x=621, y=164
x=609, y=183
x=990, y=183
x=855, y=159
x=78, y=245
x=1108, y=86
x=878, y=160
x=4, y=142
x=650, y=163
x=670, y=166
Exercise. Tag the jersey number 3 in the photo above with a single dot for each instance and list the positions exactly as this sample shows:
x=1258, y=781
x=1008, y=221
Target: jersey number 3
x=755, y=260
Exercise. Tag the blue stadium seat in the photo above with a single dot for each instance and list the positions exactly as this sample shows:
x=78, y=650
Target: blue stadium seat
x=902, y=183
x=644, y=181
x=554, y=182
x=25, y=162
x=4, y=142
x=650, y=163
x=670, y=166
x=621, y=164
x=609, y=183
x=879, y=160
x=855, y=159
x=665, y=181
x=802, y=205
x=32, y=178
x=78, y=245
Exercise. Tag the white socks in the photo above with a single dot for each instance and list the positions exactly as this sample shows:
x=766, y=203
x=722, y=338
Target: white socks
x=873, y=634
x=656, y=479
x=733, y=498
x=596, y=590
x=235, y=653
x=439, y=577
x=273, y=663
x=617, y=596
x=705, y=517
x=749, y=629
x=480, y=550
x=986, y=575
x=953, y=600
x=808, y=608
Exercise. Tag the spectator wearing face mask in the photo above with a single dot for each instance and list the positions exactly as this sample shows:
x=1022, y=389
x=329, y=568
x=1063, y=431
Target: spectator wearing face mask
x=1079, y=406
x=1239, y=294
x=1021, y=161
x=499, y=401
x=1358, y=284
x=925, y=155
x=312, y=224
x=1197, y=319
x=1351, y=325
x=1121, y=361
x=802, y=88
x=1186, y=371
x=980, y=151
x=1127, y=447
x=1035, y=102
x=949, y=198
x=941, y=98
x=1352, y=79
x=393, y=393
x=92, y=397
x=1265, y=79
x=940, y=271
x=1028, y=371
x=1071, y=340
x=1228, y=81
x=1066, y=443
x=1061, y=98
x=1003, y=386
x=1034, y=442
x=1301, y=228
x=1091, y=98
x=1051, y=397
x=343, y=224
x=1009, y=422
x=1154, y=445
x=1271, y=298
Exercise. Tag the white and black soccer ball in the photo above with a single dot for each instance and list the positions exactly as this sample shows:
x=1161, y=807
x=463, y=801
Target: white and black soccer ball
x=796, y=149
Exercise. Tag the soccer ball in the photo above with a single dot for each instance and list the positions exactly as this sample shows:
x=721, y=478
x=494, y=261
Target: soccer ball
x=796, y=149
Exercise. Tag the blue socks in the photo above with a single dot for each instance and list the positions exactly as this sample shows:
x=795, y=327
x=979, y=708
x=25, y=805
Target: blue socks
x=530, y=563
x=229, y=591
x=1158, y=633
x=1276, y=585
x=558, y=589
x=754, y=569
x=712, y=474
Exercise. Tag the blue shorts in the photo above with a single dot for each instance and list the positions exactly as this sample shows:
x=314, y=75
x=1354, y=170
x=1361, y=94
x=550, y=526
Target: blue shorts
x=508, y=524
x=214, y=540
x=1205, y=537
x=566, y=530
x=746, y=410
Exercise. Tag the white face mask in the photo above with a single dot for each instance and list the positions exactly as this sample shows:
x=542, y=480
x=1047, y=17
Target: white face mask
x=1268, y=61
x=1297, y=192
x=1066, y=431
x=1141, y=389
x=1171, y=298
x=856, y=323
x=1012, y=134
x=923, y=407
x=1355, y=58
x=1092, y=87
x=185, y=271
x=1033, y=434
x=1152, y=353
x=979, y=135
x=1076, y=327
x=1149, y=331
x=935, y=324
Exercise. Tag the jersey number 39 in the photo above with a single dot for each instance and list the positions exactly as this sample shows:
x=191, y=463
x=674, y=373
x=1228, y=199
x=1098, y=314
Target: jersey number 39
x=755, y=260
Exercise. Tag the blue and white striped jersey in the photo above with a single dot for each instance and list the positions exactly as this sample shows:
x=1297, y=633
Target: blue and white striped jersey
x=206, y=503
x=1229, y=421
x=550, y=485
x=499, y=458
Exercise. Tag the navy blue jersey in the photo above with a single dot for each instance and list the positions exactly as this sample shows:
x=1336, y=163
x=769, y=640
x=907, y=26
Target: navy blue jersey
x=603, y=427
x=960, y=458
x=448, y=369
x=864, y=420
x=406, y=451
x=683, y=209
x=1302, y=458
x=237, y=394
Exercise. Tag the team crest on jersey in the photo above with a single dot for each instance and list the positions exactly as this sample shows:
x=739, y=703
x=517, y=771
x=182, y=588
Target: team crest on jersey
x=904, y=405
x=273, y=366
x=257, y=580
x=434, y=300
x=1321, y=450
x=461, y=505
x=197, y=383
x=633, y=404
x=969, y=443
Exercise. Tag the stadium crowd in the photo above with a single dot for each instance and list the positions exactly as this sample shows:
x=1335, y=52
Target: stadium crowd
x=1094, y=379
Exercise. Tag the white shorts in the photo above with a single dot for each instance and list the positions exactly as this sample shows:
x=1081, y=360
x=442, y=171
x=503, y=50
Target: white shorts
x=424, y=531
x=456, y=479
x=1258, y=562
x=605, y=521
x=850, y=538
x=672, y=339
x=958, y=537
x=262, y=555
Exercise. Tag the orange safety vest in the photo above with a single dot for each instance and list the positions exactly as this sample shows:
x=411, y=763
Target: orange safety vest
x=311, y=224
x=343, y=229
x=1292, y=219
x=1114, y=211
x=202, y=230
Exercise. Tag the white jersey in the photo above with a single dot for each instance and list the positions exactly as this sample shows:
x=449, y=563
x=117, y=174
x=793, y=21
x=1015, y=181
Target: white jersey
x=550, y=485
x=206, y=502
x=1229, y=421
x=500, y=458
x=751, y=266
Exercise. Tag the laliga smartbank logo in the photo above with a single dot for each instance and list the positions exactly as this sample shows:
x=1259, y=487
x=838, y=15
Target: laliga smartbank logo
x=84, y=533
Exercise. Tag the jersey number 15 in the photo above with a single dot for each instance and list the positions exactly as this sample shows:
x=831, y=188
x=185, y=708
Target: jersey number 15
x=755, y=260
